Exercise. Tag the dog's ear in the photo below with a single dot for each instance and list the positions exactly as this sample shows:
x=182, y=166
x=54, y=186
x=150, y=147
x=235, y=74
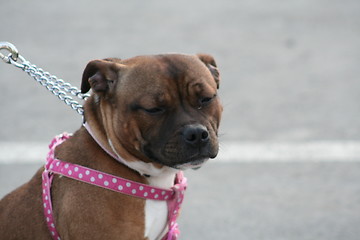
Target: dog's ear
x=100, y=75
x=210, y=63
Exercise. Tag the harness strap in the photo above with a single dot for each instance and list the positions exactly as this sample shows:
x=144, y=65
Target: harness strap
x=47, y=178
x=174, y=206
x=108, y=181
x=48, y=210
x=173, y=196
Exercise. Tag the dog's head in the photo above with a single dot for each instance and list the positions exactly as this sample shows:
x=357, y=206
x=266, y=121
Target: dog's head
x=162, y=108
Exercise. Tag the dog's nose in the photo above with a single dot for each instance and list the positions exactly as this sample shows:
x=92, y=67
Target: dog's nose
x=196, y=134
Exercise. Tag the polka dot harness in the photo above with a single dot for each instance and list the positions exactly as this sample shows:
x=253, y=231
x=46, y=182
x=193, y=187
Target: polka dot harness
x=173, y=196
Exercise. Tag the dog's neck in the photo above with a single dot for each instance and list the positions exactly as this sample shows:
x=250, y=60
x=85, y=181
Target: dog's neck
x=159, y=177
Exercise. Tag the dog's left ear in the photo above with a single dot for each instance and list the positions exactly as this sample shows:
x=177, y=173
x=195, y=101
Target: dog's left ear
x=210, y=63
x=100, y=75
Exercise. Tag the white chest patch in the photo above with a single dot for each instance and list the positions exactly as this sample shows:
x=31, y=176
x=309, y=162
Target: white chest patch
x=155, y=219
x=156, y=212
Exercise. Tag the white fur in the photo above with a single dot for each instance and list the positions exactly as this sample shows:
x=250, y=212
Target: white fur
x=156, y=212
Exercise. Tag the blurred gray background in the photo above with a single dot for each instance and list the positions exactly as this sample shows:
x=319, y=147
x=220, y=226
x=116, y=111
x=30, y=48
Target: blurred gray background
x=290, y=74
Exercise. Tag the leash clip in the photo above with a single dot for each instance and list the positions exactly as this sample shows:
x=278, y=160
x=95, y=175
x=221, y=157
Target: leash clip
x=14, y=53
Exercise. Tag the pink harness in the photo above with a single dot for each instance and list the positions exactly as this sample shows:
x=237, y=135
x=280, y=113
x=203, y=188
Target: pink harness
x=173, y=196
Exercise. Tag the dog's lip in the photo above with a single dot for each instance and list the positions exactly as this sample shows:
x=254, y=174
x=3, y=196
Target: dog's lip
x=195, y=164
x=192, y=162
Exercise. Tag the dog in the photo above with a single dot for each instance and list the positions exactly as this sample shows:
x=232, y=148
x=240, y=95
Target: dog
x=148, y=118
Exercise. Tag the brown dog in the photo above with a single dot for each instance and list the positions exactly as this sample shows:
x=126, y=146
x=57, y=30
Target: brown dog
x=160, y=113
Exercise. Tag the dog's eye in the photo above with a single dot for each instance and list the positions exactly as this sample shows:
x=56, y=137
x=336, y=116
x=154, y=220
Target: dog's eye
x=206, y=100
x=154, y=111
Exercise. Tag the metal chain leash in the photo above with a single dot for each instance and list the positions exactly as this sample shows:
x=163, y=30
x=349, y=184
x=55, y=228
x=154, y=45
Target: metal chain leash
x=55, y=85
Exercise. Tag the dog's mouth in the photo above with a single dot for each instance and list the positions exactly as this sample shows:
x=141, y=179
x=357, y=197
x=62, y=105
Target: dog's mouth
x=196, y=164
x=190, y=162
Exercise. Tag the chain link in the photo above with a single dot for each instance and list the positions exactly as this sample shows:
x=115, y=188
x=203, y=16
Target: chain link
x=55, y=85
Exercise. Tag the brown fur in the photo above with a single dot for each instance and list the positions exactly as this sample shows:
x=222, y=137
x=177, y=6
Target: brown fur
x=124, y=90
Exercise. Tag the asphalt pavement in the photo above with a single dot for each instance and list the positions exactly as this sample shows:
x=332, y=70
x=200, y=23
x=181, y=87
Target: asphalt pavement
x=289, y=75
x=280, y=201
